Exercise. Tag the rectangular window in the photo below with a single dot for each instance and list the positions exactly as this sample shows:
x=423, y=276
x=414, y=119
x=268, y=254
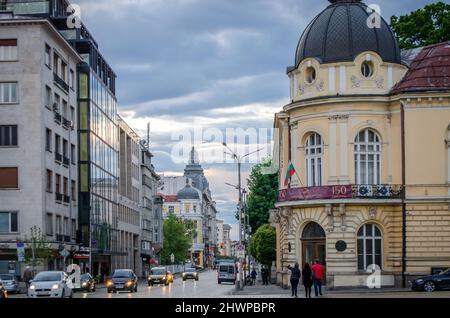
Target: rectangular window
x=74, y=228
x=73, y=190
x=57, y=144
x=8, y=50
x=55, y=63
x=72, y=154
x=66, y=226
x=72, y=79
x=49, y=224
x=171, y=209
x=47, y=55
x=58, y=184
x=8, y=222
x=63, y=74
x=65, y=148
x=9, y=178
x=72, y=115
x=64, y=109
x=57, y=103
x=8, y=93
x=48, y=97
x=8, y=135
x=48, y=139
x=58, y=225
x=49, y=181
x=65, y=186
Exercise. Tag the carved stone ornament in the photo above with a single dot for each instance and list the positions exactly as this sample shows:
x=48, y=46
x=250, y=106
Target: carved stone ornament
x=356, y=82
x=372, y=213
x=320, y=86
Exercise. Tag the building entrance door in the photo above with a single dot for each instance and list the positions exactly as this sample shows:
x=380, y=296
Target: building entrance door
x=313, y=244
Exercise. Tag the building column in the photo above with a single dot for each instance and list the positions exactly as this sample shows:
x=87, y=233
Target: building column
x=447, y=142
x=295, y=182
x=332, y=158
x=343, y=132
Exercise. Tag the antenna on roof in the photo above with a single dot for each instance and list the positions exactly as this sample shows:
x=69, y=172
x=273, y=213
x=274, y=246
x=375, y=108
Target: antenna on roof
x=148, y=136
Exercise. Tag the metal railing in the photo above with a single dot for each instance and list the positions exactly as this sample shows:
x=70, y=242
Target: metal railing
x=58, y=117
x=380, y=191
x=66, y=161
x=59, y=197
x=58, y=80
x=58, y=157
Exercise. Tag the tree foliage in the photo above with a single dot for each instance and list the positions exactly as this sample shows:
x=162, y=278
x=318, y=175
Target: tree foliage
x=177, y=240
x=423, y=27
x=263, y=244
x=42, y=248
x=263, y=193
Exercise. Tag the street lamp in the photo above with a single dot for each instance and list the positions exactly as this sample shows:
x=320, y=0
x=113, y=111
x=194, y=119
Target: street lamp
x=239, y=159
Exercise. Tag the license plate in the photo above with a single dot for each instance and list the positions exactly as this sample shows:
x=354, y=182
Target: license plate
x=119, y=286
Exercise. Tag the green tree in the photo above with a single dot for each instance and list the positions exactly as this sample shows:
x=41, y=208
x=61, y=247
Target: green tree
x=39, y=250
x=423, y=27
x=263, y=244
x=176, y=240
x=263, y=193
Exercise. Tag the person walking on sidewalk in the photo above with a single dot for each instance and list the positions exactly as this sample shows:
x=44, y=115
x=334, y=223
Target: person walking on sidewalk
x=318, y=276
x=265, y=275
x=27, y=277
x=253, y=274
x=295, y=278
x=307, y=279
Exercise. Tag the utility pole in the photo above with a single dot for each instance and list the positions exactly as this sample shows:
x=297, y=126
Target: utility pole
x=238, y=160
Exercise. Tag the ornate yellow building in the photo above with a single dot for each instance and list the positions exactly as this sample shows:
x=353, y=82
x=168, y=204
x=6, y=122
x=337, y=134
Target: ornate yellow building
x=368, y=133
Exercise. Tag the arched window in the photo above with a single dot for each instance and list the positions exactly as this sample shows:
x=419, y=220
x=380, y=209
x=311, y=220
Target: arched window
x=370, y=246
x=314, y=159
x=313, y=231
x=367, y=158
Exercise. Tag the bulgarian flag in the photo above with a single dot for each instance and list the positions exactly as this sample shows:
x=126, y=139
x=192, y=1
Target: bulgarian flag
x=289, y=173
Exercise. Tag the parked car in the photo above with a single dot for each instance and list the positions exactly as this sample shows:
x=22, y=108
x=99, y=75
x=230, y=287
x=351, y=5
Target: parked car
x=3, y=292
x=122, y=280
x=87, y=283
x=170, y=276
x=159, y=275
x=433, y=282
x=50, y=284
x=190, y=273
x=10, y=283
x=226, y=272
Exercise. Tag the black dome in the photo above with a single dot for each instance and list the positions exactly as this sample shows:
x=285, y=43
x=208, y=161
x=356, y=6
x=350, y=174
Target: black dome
x=188, y=193
x=340, y=33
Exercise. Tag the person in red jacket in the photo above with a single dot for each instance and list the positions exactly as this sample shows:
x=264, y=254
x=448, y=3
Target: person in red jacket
x=318, y=276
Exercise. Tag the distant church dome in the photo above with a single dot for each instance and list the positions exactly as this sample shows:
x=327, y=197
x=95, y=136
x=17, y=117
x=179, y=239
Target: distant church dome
x=340, y=33
x=188, y=193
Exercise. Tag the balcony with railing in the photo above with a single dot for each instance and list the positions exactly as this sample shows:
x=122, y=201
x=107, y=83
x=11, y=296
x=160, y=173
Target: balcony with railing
x=58, y=157
x=342, y=192
x=66, y=123
x=66, y=199
x=58, y=117
x=66, y=161
x=62, y=83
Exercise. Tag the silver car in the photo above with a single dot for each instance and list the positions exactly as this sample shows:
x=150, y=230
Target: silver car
x=52, y=284
x=10, y=283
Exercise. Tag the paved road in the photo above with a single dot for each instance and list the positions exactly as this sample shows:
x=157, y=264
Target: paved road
x=205, y=287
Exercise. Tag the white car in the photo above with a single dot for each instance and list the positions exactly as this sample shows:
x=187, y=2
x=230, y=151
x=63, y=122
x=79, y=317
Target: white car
x=52, y=284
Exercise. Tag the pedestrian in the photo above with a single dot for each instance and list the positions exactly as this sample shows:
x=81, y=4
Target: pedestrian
x=27, y=277
x=307, y=279
x=264, y=275
x=295, y=278
x=318, y=276
x=253, y=274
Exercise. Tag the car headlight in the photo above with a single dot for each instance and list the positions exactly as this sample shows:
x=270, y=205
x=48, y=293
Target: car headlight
x=56, y=286
x=109, y=284
x=84, y=284
x=32, y=287
x=129, y=283
x=419, y=281
x=149, y=278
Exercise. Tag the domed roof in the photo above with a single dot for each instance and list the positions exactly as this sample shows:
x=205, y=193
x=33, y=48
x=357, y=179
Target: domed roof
x=340, y=33
x=188, y=193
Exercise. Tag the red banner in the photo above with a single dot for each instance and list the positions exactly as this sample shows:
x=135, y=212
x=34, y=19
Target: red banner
x=316, y=193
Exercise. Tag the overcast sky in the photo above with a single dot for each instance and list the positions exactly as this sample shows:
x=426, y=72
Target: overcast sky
x=210, y=63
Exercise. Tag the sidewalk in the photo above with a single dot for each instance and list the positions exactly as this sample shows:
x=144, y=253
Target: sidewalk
x=277, y=292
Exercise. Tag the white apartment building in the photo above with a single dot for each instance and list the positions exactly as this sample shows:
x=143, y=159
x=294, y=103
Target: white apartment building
x=129, y=209
x=38, y=138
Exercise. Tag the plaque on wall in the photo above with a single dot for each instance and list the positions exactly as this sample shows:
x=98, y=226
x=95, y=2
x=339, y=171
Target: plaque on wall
x=341, y=246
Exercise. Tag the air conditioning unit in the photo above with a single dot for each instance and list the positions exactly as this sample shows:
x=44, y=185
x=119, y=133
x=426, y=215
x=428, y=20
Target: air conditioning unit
x=364, y=191
x=384, y=191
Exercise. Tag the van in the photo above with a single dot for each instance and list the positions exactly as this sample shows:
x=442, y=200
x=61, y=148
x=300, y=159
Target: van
x=226, y=272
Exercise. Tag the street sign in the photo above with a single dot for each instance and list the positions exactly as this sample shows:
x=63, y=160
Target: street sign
x=172, y=258
x=64, y=253
x=20, y=251
x=240, y=251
